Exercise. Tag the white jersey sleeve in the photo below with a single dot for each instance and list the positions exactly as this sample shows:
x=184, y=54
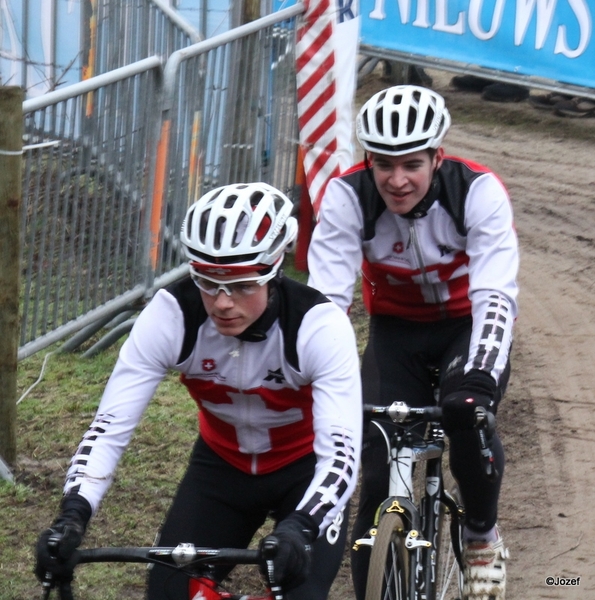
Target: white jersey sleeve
x=328, y=356
x=151, y=349
x=335, y=253
x=492, y=248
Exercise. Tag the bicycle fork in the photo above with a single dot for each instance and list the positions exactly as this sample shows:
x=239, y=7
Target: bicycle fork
x=421, y=525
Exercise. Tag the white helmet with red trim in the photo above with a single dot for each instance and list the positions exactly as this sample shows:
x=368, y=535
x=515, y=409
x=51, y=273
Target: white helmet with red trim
x=402, y=119
x=237, y=229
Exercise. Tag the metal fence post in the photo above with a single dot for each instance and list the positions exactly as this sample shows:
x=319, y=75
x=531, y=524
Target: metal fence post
x=11, y=144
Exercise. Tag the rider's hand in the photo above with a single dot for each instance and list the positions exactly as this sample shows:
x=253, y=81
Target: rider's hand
x=294, y=535
x=458, y=410
x=56, y=545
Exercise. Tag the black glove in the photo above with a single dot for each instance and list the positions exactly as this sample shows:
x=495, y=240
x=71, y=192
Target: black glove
x=294, y=536
x=458, y=409
x=56, y=546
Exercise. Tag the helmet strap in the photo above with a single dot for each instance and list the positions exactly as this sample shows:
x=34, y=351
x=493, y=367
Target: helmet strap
x=423, y=206
x=257, y=332
x=368, y=166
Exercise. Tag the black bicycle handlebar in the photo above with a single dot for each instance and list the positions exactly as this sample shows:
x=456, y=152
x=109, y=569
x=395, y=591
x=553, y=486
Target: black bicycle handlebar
x=485, y=426
x=399, y=412
x=176, y=557
x=180, y=556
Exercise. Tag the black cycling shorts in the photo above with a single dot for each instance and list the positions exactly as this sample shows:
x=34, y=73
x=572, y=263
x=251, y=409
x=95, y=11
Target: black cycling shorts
x=217, y=505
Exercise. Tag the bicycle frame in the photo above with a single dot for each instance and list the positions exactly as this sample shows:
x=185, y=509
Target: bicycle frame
x=421, y=521
x=205, y=588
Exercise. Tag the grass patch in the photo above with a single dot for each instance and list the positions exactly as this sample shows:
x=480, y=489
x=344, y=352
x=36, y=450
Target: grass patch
x=50, y=423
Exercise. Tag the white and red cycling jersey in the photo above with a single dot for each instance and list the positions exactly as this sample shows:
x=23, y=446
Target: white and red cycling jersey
x=455, y=256
x=288, y=386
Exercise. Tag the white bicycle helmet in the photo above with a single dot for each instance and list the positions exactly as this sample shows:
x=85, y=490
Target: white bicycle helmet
x=402, y=119
x=239, y=228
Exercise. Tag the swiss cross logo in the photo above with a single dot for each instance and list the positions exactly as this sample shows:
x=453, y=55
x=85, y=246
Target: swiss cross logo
x=208, y=364
x=398, y=247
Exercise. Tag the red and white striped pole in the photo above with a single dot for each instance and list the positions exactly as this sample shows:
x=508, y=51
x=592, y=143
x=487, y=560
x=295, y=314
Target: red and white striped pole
x=316, y=90
x=326, y=57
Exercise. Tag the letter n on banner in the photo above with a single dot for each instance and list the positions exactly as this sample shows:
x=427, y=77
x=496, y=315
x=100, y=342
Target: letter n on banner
x=326, y=51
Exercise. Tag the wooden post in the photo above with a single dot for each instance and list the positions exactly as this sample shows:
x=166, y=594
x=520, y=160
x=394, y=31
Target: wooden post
x=11, y=145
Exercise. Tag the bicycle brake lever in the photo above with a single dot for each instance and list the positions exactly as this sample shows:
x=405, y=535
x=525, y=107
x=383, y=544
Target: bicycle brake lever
x=276, y=591
x=485, y=425
x=269, y=551
x=47, y=585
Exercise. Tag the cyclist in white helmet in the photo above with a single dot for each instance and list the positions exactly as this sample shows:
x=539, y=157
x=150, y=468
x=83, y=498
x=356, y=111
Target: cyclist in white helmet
x=434, y=239
x=272, y=365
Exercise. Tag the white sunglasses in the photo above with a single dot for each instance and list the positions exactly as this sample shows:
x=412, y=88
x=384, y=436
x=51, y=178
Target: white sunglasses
x=236, y=288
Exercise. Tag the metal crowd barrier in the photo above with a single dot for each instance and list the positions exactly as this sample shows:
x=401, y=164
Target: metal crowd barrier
x=85, y=201
x=112, y=163
x=229, y=115
x=53, y=43
x=125, y=32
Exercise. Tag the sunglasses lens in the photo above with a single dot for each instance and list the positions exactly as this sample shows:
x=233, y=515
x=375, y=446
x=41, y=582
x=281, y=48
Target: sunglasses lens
x=235, y=289
x=204, y=285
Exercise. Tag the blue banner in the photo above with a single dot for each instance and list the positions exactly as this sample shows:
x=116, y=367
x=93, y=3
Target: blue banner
x=544, y=38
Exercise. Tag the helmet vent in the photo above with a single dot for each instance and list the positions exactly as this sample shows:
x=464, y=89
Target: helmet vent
x=262, y=231
x=429, y=118
x=411, y=120
x=279, y=203
x=365, y=124
x=219, y=230
x=397, y=99
x=394, y=118
x=230, y=201
x=379, y=121
x=204, y=221
x=255, y=199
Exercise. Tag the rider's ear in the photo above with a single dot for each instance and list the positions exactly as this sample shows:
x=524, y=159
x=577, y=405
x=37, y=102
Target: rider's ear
x=438, y=158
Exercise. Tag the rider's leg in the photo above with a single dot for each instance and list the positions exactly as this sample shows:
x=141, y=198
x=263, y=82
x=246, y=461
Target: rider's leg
x=217, y=505
x=203, y=513
x=480, y=495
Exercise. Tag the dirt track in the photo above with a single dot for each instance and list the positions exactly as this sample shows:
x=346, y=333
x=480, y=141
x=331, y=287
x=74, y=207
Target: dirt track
x=546, y=419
